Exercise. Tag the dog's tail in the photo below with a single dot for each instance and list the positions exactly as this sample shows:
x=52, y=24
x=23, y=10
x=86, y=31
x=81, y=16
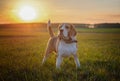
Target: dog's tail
x=49, y=29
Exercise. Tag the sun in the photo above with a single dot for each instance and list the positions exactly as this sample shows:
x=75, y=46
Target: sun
x=27, y=13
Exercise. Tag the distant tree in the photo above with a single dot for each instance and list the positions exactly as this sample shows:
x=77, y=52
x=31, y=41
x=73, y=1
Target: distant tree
x=107, y=25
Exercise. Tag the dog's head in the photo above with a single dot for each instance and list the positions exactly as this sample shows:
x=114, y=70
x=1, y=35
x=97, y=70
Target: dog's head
x=67, y=30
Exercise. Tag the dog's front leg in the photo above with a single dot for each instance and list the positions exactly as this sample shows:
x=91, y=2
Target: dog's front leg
x=58, y=61
x=76, y=61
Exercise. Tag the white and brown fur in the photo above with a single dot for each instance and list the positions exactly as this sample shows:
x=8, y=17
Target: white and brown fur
x=60, y=45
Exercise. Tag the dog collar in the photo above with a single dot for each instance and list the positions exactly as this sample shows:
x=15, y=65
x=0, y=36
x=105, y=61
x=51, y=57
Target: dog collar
x=67, y=40
x=70, y=41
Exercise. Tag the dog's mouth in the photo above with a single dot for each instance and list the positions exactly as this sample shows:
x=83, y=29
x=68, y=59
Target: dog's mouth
x=61, y=36
x=61, y=33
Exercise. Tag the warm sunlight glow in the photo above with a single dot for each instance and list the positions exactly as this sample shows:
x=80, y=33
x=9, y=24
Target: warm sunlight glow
x=27, y=13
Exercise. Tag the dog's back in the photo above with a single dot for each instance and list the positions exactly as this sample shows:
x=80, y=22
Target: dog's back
x=51, y=46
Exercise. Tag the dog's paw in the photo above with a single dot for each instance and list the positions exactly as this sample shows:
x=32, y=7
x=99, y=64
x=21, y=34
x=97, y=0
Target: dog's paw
x=49, y=23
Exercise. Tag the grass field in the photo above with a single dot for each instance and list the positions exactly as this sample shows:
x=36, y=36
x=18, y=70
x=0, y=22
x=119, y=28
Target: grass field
x=21, y=53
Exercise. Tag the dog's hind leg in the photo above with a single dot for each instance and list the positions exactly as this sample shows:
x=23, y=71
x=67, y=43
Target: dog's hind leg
x=47, y=52
x=46, y=55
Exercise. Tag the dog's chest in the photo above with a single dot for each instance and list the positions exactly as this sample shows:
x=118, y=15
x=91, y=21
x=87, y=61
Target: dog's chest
x=66, y=49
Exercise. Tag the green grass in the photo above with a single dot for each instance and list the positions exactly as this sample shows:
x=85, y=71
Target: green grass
x=21, y=55
x=99, y=30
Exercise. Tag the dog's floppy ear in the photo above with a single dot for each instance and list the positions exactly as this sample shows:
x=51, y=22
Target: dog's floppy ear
x=72, y=31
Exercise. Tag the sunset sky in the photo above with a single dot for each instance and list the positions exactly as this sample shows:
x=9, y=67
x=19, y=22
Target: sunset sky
x=73, y=11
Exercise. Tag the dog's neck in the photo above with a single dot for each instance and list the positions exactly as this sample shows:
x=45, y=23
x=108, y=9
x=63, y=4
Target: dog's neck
x=67, y=39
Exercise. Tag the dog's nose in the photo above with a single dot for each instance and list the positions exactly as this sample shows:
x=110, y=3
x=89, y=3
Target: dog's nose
x=61, y=30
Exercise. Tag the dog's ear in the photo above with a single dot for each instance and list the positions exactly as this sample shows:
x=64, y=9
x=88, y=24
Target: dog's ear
x=72, y=31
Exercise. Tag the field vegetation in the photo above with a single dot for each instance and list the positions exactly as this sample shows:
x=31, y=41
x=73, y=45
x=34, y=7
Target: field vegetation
x=22, y=51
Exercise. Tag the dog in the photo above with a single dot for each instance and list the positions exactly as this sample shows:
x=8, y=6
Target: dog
x=64, y=44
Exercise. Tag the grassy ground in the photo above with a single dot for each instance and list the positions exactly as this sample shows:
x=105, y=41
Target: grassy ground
x=21, y=54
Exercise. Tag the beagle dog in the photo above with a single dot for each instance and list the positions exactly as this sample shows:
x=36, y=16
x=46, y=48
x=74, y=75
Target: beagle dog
x=65, y=44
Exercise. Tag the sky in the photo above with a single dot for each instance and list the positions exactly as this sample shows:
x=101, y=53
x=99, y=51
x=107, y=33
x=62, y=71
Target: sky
x=71, y=11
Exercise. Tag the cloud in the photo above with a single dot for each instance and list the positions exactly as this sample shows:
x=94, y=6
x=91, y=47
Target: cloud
x=114, y=16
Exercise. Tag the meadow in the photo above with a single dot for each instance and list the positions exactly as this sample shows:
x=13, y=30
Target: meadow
x=22, y=51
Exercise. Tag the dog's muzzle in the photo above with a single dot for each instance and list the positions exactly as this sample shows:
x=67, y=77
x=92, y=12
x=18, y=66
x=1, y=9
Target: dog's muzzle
x=66, y=39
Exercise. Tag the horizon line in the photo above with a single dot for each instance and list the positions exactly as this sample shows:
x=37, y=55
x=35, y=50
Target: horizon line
x=56, y=23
